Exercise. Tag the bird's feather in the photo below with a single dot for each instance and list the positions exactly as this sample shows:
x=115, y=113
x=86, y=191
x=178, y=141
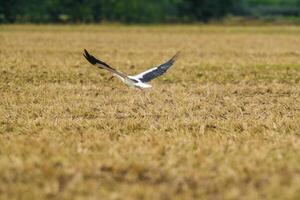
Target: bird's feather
x=156, y=71
x=102, y=65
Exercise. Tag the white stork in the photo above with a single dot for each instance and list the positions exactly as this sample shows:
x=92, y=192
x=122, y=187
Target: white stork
x=139, y=81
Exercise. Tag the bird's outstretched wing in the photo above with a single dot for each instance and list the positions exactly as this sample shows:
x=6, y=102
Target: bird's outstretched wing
x=102, y=65
x=154, y=72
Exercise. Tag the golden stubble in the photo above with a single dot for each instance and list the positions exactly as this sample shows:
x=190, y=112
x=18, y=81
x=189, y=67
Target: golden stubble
x=222, y=123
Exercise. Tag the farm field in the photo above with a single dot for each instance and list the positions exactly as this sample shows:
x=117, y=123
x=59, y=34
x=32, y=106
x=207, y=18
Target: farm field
x=222, y=123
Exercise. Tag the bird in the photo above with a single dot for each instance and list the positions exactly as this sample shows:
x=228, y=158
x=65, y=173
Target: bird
x=139, y=81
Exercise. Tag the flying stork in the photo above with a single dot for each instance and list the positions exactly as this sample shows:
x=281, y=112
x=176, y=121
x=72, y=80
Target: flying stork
x=139, y=81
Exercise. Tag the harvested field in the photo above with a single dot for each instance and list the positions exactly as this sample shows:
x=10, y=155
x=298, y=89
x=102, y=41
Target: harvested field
x=222, y=123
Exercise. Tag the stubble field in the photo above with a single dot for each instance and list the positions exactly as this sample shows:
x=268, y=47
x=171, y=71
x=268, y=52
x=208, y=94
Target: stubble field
x=222, y=123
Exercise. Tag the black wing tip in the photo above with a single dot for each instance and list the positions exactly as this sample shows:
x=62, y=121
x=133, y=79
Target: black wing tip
x=176, y=56
x=89, y=57
x=86, y=53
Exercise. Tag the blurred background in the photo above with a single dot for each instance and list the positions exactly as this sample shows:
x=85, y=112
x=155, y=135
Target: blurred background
x=148, y=11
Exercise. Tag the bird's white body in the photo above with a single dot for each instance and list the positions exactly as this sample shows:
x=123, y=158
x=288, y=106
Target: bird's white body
x=133, y=82
x=136, y=83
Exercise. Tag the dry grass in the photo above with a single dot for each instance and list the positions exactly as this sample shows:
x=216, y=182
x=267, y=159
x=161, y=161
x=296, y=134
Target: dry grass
x=224, y=123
